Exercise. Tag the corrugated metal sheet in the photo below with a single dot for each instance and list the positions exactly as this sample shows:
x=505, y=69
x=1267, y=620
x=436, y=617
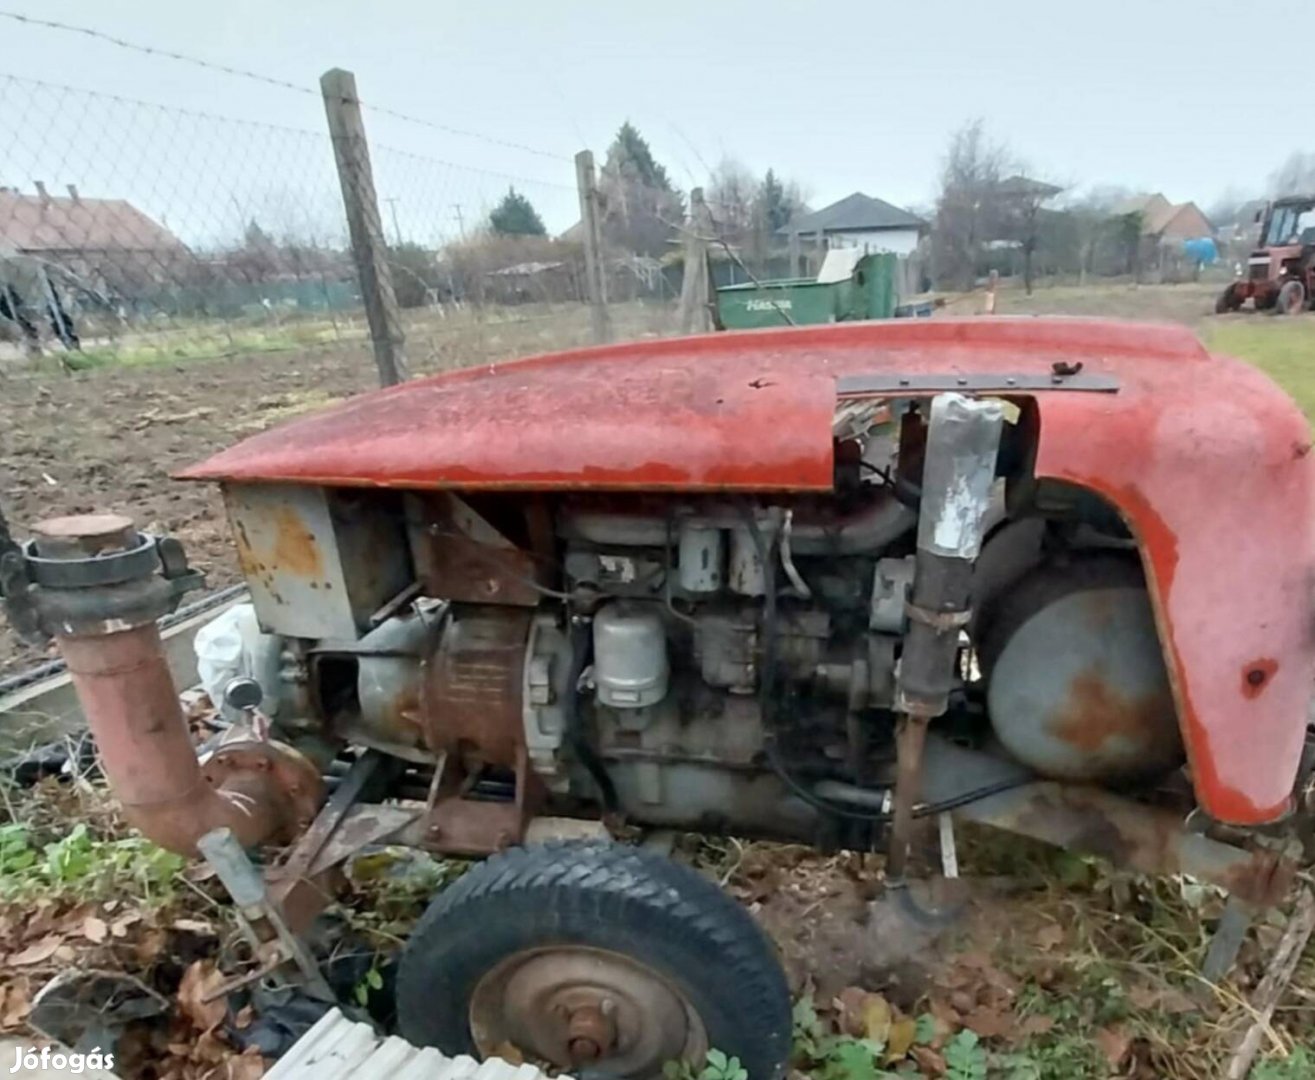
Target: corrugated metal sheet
x=337, y=1048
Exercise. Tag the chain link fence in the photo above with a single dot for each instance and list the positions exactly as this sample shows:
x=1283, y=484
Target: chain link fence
x=133, y=231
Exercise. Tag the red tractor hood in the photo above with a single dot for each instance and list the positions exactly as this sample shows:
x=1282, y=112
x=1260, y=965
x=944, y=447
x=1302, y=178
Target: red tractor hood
x=1206, y=459
x=747, y=410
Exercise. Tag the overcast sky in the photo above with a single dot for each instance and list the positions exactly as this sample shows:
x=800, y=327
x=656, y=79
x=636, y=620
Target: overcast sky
x=1180, y=96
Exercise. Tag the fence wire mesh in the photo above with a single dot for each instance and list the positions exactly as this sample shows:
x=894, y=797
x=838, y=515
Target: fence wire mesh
x=133, y=231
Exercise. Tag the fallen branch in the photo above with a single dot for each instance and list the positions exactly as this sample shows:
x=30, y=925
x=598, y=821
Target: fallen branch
x=1281, y=969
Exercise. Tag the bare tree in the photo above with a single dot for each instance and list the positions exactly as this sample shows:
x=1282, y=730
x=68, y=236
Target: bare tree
x=968, y=211
x=1223, y=209
x=1296, y=176
x=1091, y=214
x=730, y=197
x=1021, y=200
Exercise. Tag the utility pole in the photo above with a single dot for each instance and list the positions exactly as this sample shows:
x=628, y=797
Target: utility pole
x=369, y=250
x=460, y=219
x=591, y=227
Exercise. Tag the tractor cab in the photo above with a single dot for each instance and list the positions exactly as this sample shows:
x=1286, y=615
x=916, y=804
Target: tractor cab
x=1280, y=273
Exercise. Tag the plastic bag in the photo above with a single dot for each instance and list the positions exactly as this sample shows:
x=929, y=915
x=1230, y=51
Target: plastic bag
x=232, y=644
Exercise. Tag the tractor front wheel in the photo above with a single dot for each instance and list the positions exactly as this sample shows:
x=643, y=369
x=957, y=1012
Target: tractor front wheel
x=592, y=956
x=1291, y=298
x=1228, y=300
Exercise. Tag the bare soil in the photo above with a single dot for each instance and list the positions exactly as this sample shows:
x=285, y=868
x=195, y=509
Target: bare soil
x=108, y=439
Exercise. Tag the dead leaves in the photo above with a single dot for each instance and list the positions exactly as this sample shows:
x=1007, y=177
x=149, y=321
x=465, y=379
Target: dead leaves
x=120, y=926
x=1049, y=937
x=248, y=1066
x=980, y=997
x=190, y=1043
x=862, y=1014
x=38, y=952
x=1114, y=1043
x=15, y=1002
x=199, y=981
x=990, y=1023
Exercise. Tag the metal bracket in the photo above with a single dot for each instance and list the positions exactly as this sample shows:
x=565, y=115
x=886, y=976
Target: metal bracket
x=977, y=382
x=255, y=906
x=16, y=589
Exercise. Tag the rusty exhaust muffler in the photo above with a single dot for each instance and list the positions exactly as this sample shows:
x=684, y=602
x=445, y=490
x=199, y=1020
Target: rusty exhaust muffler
x=98, y=586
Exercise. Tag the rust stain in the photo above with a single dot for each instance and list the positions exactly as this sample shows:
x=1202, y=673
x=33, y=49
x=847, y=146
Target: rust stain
x=1263, y=880
x=1159, y=548
x=246, y=556
x=1097, y=712
x=1256, y=676
x=1226, y=803
x=295, y=550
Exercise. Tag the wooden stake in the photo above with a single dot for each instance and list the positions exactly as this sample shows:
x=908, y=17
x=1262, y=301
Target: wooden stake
x=591, y=227
x=697, y=293
x=1281, y=969
x=369, y=249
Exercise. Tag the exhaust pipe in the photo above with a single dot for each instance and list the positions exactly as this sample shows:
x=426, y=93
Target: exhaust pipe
x=98, y=586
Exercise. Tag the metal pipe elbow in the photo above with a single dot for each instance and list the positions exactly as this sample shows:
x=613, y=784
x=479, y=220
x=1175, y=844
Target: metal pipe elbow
x=264, y=791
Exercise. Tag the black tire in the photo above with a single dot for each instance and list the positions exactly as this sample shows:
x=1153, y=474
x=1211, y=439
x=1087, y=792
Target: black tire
x=595, y=895
x=1227, y=301
x=1291, y=298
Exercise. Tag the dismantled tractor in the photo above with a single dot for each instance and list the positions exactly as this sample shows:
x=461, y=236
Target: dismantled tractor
x=840, y=585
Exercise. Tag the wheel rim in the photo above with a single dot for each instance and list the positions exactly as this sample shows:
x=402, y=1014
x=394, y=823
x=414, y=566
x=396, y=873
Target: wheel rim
x=574, y=1006
x=1291, y=300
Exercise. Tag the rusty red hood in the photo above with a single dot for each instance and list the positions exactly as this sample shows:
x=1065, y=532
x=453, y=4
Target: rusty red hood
x=746, y=410
x=1208, y=461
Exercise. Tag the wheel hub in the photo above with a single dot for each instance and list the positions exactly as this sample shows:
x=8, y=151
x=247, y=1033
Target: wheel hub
x=574, y=1006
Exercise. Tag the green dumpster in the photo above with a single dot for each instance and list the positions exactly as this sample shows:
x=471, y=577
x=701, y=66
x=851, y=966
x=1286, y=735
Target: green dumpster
x=868, y=292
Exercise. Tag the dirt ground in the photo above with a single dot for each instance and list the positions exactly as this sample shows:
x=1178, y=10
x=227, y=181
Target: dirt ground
x=109, y=438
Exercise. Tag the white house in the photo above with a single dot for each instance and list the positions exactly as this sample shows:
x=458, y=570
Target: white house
x=860, y=221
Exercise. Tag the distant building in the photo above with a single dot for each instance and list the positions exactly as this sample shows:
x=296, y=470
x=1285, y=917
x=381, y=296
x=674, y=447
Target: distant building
x=860, y=221
x=1166, y=221
x=105, y=240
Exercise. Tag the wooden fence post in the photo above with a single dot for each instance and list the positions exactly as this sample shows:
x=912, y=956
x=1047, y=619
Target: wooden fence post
x=591, y=227
x=369, y=249
x=697, y=293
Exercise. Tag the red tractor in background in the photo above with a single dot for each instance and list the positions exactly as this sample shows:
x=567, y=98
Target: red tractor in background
x=1280, y=273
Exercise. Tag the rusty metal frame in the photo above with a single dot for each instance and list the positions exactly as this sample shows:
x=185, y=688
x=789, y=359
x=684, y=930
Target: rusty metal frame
x=303, y=883
x=1153, y=839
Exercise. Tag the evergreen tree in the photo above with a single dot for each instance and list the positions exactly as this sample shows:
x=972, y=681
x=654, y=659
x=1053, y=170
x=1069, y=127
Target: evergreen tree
x=516, y=216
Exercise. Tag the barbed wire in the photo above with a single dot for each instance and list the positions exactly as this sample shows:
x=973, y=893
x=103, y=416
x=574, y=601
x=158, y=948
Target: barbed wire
x=269, y=80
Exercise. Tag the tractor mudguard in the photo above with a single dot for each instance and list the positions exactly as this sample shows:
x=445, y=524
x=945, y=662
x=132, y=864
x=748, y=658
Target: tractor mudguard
x=1207, y=460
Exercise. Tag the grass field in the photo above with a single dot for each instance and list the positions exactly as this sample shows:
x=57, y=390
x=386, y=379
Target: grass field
x=1283, y=348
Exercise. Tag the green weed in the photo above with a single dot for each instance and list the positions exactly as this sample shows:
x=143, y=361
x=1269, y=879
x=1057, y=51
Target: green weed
x=80, y=866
